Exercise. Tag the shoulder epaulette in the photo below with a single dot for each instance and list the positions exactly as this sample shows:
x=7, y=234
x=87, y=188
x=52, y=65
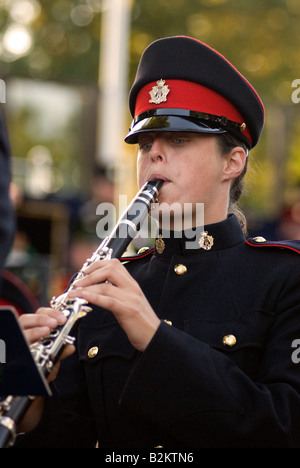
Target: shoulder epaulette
x=16, y=293
x=293, y=245
x=142, y=253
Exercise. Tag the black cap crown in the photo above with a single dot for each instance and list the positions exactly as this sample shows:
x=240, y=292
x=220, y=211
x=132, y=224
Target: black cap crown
x=194, y=88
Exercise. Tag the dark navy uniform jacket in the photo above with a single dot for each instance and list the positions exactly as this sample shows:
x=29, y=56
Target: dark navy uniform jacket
x=221, y=371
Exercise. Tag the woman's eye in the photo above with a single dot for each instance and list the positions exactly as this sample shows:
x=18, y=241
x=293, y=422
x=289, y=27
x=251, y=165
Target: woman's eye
x=146, y=146
x=179, y=141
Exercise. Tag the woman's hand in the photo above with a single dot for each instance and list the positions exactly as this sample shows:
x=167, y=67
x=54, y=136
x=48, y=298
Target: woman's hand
x=35, y=327
x=108, y=284
x=39, y=325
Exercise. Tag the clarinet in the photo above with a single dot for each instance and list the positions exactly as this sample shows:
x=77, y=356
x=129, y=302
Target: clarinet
x=47, y=351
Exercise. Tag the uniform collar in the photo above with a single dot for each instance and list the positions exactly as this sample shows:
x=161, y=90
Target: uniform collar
x=222, y=235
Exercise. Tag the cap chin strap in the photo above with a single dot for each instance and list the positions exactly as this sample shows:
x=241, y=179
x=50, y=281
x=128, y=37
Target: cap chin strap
x=215, y=120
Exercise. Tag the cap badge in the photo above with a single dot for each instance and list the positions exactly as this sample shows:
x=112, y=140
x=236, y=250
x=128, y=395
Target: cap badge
x=206, y=242
x=159, y=93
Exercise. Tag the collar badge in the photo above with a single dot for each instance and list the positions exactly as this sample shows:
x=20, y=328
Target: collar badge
x=159, y=244
x=159, y=93
x=206, y=242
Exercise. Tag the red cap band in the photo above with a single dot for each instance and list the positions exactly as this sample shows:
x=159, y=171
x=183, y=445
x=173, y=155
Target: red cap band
x=191, y=96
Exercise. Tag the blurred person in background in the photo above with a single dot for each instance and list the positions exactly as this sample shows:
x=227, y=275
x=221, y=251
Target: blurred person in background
x=7, y=216
x=13, y=292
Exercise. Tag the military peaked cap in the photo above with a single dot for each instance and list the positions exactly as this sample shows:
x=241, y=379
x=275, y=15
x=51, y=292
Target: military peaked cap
x=182, y=84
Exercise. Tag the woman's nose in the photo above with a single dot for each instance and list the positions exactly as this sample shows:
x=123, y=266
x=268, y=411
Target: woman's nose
x=157, y=152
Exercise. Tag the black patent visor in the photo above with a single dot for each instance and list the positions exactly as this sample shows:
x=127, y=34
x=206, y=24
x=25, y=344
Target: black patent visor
x=176, y=120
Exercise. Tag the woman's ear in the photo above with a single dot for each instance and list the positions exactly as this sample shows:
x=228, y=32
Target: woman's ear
x=235, y=163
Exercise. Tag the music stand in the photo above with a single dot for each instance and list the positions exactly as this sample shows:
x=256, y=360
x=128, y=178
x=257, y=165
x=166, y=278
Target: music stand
x=19, y=373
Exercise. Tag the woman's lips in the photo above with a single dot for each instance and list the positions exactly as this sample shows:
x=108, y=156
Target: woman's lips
x=159, y=176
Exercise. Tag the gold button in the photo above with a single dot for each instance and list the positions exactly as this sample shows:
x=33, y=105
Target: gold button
x=259, y=239
x=93, y=352
x=180, y=269
x=168, y=322
x=142, y=250
x=229, y=340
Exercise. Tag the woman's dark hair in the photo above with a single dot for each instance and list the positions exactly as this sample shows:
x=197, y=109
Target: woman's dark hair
x=226, y=143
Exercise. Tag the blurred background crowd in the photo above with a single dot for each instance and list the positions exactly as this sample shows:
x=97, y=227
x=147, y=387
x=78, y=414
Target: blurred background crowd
x=67, y=66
